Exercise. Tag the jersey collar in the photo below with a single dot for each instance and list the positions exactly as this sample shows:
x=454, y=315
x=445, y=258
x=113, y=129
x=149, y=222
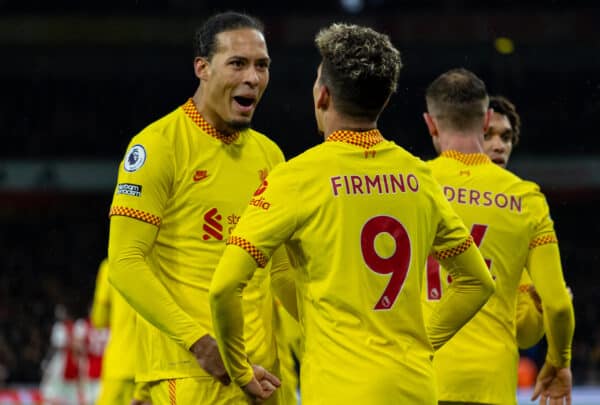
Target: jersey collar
x=190, y=109
x=469, y=159
x=366, y=139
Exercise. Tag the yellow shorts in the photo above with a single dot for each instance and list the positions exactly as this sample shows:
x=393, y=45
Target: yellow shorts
x=115, y=392
x=196, y=390
x=202, y=390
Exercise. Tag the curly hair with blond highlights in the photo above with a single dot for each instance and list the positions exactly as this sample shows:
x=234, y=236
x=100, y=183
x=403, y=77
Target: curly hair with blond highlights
x=360, y=67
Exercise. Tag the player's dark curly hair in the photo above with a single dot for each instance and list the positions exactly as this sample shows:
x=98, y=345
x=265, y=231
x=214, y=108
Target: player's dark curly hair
x=360, y=67
x=503, y=106
x=205, y=42
x=457, y=98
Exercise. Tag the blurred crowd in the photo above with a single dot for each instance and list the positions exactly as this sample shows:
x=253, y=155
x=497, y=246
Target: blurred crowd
x=49, y=261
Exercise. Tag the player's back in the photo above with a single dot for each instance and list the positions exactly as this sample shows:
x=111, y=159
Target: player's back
x=367, y=218
x=506, y=215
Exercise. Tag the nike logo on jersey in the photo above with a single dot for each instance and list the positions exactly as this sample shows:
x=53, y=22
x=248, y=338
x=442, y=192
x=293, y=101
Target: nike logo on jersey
x=200, y=175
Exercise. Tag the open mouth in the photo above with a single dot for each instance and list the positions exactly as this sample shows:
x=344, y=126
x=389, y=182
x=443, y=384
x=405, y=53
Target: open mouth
x=244, y=101
x=499, y=161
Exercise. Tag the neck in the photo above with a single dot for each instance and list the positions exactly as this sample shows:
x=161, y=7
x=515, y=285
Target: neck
x=209, y=115
x=336, y=122
x=463, y=142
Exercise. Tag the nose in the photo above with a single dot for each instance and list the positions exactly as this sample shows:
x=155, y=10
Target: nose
x=498, y=145
x=252, y=77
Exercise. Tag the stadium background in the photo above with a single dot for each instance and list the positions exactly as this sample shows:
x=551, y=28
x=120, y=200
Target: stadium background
x=78, y=79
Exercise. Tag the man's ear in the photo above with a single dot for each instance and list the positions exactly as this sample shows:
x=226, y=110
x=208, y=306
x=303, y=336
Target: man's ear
x=431, y=126
x=202, y=68
x=323, y=97
x=488, y=117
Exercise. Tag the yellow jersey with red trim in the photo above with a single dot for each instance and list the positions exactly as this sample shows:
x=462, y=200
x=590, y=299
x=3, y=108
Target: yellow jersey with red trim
x=508, y=218
x=358, y=216
x=109, y=309
x=193, y=183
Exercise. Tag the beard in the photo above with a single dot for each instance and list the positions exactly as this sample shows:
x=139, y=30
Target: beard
x=237, y=126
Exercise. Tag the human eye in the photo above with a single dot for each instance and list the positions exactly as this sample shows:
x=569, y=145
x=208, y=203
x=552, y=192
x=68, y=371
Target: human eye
x=507, y=137
x=236, y=63
x=263, y=64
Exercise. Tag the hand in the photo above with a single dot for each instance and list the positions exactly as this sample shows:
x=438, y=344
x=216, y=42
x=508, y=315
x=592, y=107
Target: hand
x=207, y=354
x=553, y=385
x=262, y=385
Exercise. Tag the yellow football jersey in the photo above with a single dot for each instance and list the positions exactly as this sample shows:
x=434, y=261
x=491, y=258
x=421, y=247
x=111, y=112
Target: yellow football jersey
x=110, y=310
x=193, y=183
x=507, y=217
x=358, y=216
x=288, y=341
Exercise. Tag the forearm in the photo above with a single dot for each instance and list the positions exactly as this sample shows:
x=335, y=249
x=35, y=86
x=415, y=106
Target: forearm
x=546, y=272
x=283, y=282
x=470, y=289
x=529, y=321
x=235, y=268
x=129, y=242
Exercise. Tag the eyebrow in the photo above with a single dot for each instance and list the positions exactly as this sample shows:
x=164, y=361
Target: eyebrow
x=266, y=58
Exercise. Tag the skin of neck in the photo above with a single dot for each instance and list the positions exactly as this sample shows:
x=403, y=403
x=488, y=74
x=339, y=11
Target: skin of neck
x=464, y=142
x=335, y=121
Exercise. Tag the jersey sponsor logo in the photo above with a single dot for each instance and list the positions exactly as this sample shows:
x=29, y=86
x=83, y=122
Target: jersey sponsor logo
x=200, y=175
x=232, y=220
x=261, y=189
x=135, y=158
x=134, y=190
x=260, y=203
x=212, y=225
x=469, y=196
x=263, y=173
x=374, y=184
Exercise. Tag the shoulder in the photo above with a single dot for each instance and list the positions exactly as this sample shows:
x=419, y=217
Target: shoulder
x=265, y=142
x=162, y=127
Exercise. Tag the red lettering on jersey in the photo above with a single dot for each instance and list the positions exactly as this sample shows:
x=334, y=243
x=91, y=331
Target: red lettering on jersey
x=260, y=203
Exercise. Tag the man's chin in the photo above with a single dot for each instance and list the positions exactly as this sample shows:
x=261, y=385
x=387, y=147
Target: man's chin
x=239, y=125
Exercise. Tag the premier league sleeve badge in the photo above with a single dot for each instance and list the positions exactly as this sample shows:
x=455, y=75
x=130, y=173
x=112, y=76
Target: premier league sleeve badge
x=135, y=158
